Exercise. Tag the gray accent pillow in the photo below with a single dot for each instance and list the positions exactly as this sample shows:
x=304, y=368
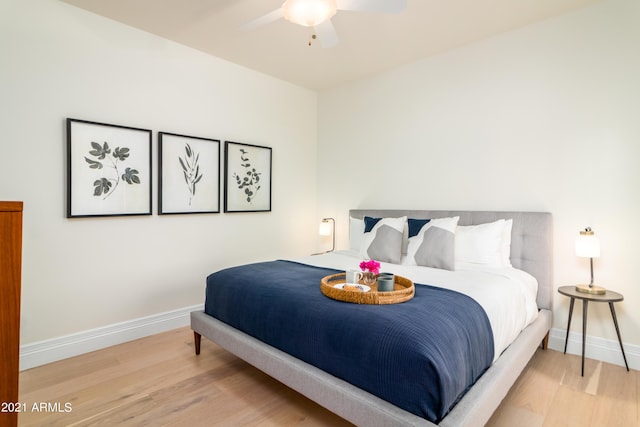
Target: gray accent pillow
x=434, y=245
x=384, y=242
x=386, y=245
x=437, y=249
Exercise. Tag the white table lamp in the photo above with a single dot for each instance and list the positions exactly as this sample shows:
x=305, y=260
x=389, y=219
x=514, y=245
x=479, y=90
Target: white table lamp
x=588, y=246
x=328, y=228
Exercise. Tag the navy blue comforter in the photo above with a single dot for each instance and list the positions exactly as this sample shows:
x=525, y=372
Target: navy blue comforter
x=421, y=355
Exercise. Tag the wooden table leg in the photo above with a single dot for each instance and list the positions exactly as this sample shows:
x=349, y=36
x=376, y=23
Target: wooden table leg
x=566, y=340
x=615, y=322
x=584, y=329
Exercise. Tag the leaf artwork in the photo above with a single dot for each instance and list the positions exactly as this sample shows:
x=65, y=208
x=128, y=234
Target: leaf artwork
x=105, y=186
x=190, y=170
x=249, y=182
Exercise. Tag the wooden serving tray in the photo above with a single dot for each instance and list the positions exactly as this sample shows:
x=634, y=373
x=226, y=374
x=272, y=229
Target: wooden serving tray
x=403, y=290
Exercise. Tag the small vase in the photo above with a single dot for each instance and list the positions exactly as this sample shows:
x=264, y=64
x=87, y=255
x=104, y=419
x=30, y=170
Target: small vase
x=368, y=278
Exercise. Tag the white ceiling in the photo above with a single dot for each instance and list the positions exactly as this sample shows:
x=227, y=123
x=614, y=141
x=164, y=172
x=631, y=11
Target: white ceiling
x=369, y=42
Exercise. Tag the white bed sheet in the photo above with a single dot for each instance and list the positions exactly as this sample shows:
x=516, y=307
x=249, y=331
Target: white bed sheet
x=507, y=295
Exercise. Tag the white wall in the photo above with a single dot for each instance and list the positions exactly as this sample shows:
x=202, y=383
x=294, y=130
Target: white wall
x=544, y=118
x=59, y=61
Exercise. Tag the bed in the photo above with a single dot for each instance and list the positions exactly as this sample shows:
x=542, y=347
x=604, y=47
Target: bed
x=529, y=251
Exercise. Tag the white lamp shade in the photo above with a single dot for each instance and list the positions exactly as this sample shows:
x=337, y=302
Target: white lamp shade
x=309, y=13
x=325, y=228
x=587, y=245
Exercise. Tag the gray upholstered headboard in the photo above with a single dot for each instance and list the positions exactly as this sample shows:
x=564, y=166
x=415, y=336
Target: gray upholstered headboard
x=531, y=239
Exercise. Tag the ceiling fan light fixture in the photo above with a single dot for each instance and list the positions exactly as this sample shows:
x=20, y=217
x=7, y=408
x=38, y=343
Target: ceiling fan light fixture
x=309, y=13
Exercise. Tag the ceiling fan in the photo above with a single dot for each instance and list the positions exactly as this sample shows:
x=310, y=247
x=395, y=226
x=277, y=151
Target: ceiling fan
x=318, y=14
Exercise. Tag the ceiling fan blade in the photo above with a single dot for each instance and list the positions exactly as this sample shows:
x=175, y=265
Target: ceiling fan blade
x=263, y=20
x=327, y=34
x=384, y=6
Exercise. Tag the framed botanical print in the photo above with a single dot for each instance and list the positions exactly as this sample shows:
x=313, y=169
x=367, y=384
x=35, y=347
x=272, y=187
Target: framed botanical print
x=188, y=174
x=247, y=178
x=108, y=169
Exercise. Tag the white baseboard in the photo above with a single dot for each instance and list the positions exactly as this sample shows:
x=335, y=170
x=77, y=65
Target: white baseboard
x=43, y=352
x=596, y=348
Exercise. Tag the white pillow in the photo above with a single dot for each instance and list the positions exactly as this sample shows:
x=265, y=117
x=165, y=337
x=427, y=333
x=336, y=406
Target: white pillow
x=384, y=241
x=506, y=243
x=356, y=232
x=483, y=245
x=434, y=245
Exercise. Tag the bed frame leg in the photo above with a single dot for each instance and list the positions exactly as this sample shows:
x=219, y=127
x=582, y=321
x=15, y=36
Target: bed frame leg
x=197, y=338
x=545, y=341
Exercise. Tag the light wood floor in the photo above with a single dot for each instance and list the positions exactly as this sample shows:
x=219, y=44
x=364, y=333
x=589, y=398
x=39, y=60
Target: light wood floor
x=159, y=381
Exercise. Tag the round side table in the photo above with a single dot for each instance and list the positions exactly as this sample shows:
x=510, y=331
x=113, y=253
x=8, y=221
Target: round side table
x=609, y=297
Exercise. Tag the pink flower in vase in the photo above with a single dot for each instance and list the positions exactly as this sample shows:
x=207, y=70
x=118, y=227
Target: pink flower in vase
x=371, y=266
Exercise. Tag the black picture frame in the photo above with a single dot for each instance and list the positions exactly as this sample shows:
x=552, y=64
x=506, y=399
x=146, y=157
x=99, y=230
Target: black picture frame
x=109, y=169
x=188, y=174
x=247, y=177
